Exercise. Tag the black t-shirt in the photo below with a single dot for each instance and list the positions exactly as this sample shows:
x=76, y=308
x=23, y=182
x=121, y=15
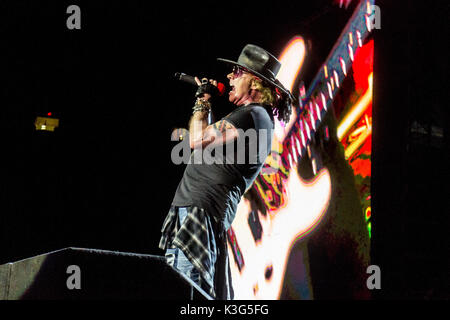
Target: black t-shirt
x=216, y=179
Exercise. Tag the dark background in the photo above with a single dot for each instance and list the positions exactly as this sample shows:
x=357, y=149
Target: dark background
x=104, y=179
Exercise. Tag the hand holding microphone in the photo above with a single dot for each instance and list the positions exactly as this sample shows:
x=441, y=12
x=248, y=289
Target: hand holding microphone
x=206, y=88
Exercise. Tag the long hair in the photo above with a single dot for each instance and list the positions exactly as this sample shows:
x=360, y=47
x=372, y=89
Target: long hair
x=280, y=102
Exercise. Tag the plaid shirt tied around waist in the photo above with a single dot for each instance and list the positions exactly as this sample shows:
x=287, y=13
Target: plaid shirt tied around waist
x=203, y=242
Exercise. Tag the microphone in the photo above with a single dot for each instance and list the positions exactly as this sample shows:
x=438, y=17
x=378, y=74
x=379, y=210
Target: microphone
x=190, y=79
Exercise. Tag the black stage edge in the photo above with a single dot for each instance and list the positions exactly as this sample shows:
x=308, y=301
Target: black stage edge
x=103, y=275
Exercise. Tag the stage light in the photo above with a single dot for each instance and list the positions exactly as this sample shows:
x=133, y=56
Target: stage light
x=46, y=124
x=368, y=212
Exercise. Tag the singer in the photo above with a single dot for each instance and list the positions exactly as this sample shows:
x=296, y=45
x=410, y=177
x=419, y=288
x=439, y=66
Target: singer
x=205, y=202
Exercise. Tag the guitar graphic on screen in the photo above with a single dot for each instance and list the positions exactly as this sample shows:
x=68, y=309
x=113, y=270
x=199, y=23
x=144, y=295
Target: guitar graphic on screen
x=260, y=244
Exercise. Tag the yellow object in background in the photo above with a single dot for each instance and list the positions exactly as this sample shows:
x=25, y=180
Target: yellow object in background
x=46, y=124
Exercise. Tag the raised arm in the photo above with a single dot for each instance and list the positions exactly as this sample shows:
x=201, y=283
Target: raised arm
x=200, y=133
x=220, y=132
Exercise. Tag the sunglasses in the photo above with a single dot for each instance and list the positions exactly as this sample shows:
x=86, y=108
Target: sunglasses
x=238, y=71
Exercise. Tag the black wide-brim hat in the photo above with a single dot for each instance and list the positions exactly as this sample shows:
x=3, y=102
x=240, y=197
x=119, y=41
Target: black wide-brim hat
x=260, y=63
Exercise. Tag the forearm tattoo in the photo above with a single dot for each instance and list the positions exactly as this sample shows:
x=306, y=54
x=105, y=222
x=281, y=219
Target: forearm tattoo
x=221, y=126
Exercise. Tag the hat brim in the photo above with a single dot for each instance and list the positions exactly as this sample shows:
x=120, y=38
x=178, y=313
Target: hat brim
x=259, y=75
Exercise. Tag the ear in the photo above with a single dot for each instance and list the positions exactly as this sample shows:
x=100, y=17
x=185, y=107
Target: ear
x=253, y=84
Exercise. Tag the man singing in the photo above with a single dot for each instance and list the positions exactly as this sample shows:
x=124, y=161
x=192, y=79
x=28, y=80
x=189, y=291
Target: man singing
x=205, y=203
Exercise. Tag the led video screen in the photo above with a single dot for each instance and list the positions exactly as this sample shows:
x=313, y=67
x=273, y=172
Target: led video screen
x=308, y=212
